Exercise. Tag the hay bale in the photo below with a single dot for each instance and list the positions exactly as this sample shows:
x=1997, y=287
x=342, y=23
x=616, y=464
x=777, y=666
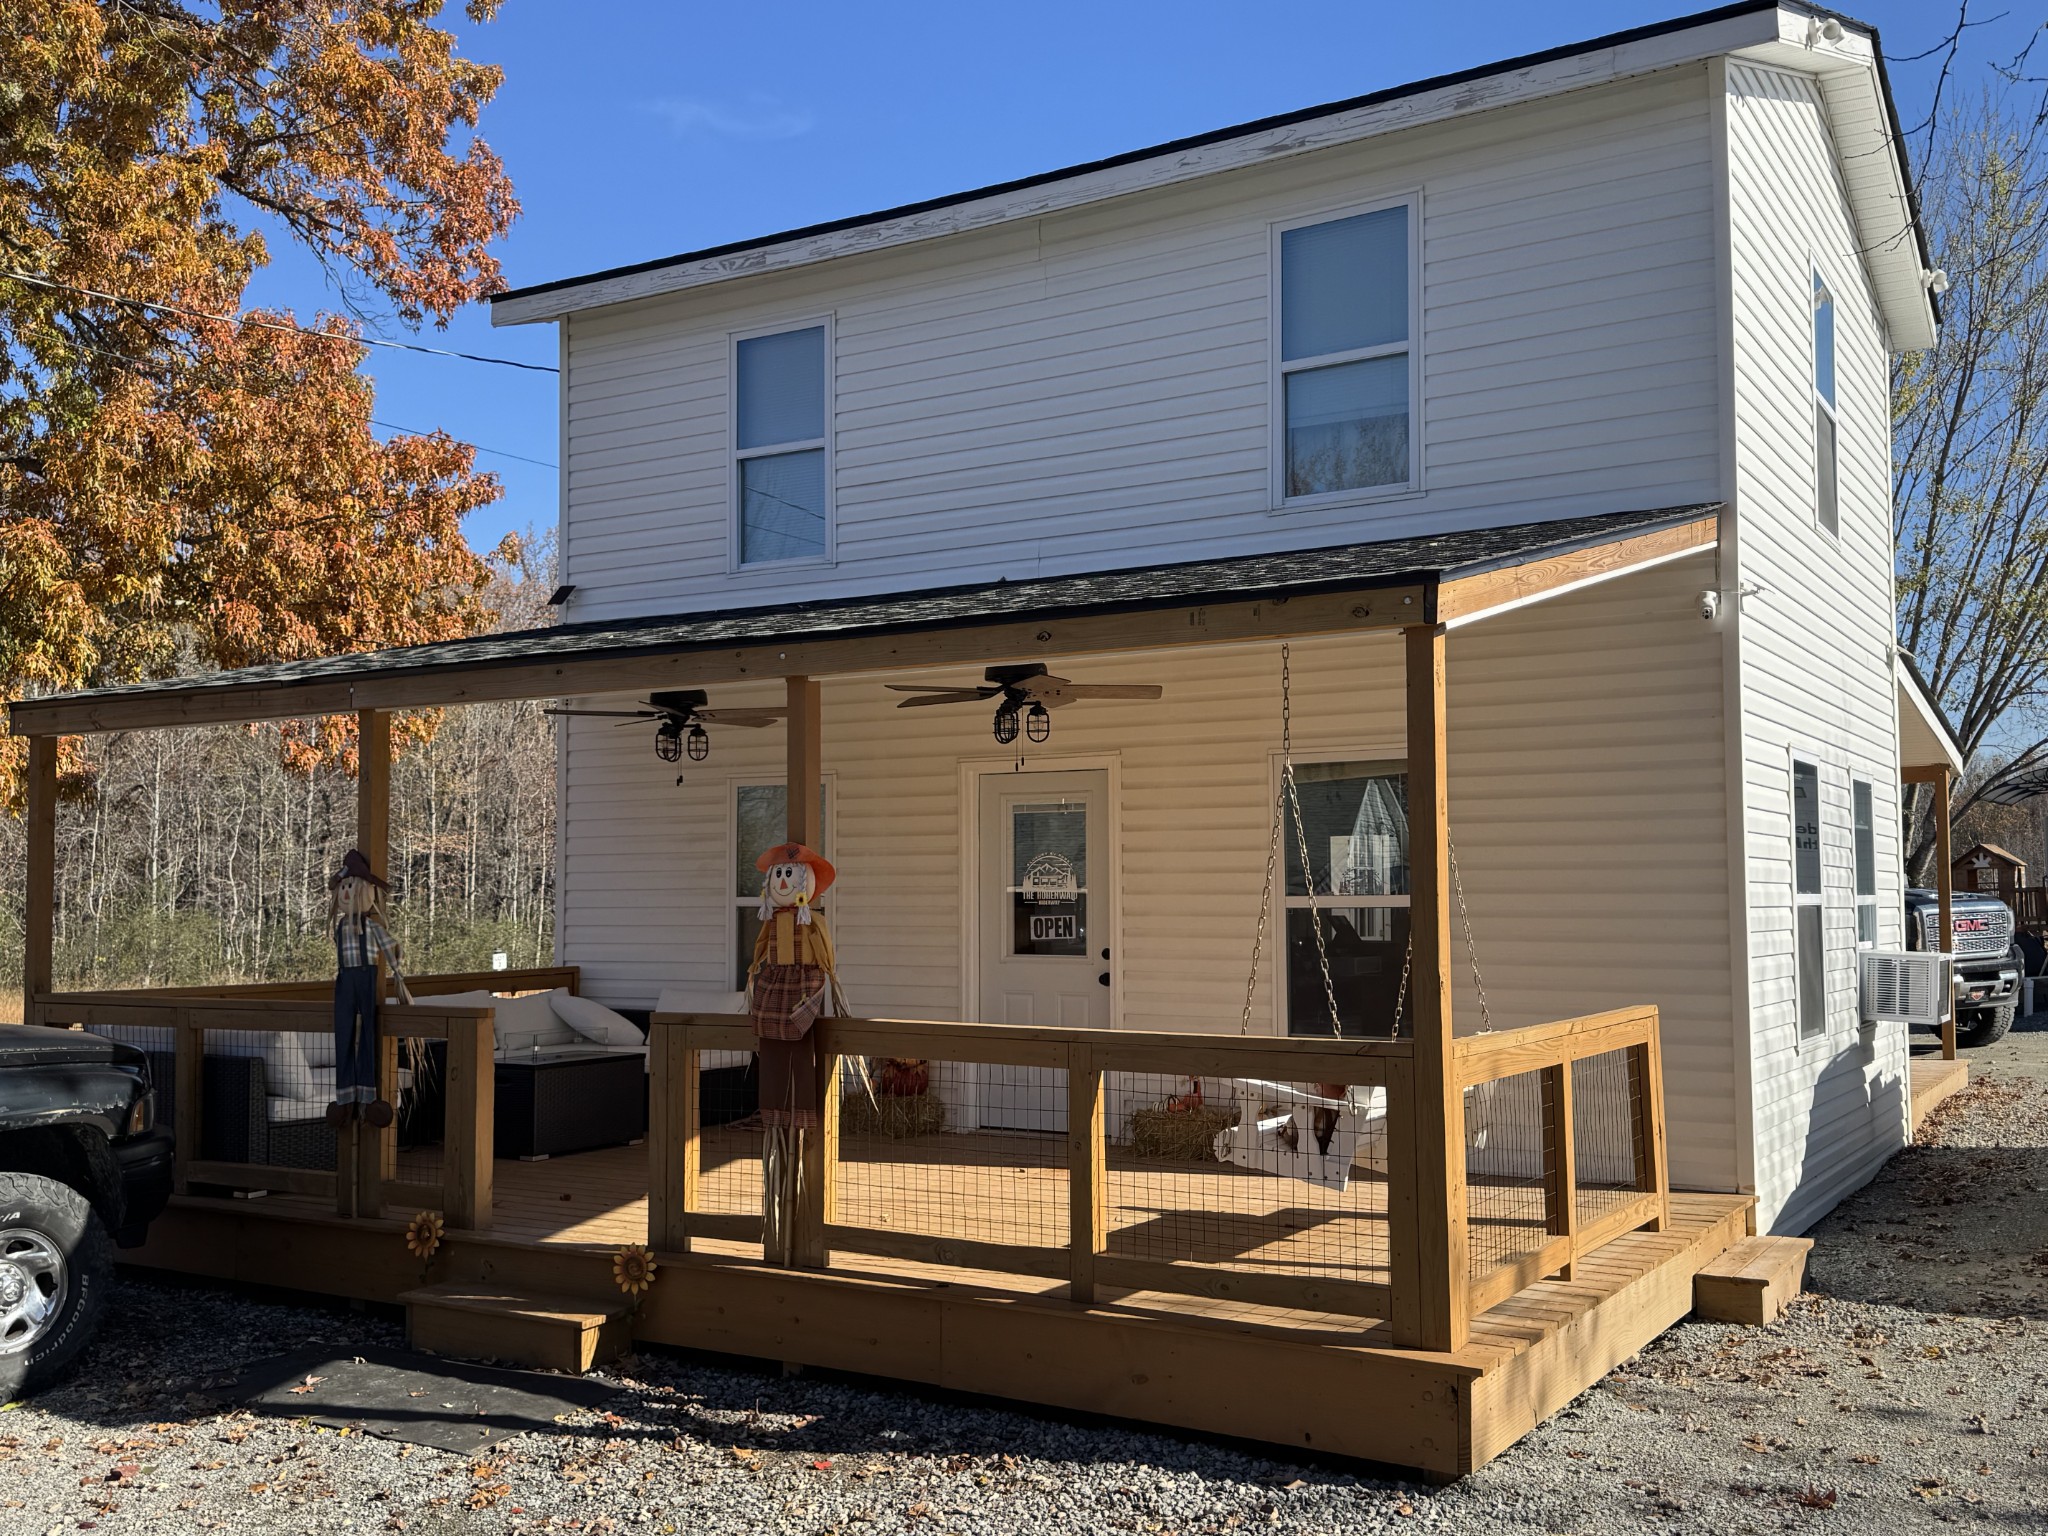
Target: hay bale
x=891, y=1116
x=1183, y=1136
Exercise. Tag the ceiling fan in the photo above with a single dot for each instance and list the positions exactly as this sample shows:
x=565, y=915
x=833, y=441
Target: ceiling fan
x=682, y=717
x=1026, y=694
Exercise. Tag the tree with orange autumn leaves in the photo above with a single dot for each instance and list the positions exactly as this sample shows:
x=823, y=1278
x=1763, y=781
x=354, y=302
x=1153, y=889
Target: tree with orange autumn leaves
x=178, y=491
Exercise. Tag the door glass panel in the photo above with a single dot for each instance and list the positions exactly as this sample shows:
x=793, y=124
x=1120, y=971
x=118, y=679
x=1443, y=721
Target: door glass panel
x=1048, y=887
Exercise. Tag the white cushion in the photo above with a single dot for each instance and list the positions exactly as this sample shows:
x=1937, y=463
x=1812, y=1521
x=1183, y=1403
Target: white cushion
x=522, y=1024
x=593, y=1021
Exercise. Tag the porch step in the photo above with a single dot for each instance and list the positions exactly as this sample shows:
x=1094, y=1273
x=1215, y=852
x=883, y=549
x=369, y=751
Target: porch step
x=557, y=1333
x=1751, y=1282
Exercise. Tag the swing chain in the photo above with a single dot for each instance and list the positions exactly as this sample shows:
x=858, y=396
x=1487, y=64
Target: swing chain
x=1471, y=948
x=1288, y=799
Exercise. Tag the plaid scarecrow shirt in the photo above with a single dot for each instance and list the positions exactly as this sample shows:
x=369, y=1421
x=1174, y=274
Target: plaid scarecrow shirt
x=360, y=940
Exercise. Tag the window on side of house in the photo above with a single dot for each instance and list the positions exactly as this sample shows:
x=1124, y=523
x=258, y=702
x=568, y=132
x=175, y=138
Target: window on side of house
x=1346, y=366
x=1809, y=910
x=760, y=817
x=1826, y=471
x=1865, y=811
x=781, y=476
x=1355, y=822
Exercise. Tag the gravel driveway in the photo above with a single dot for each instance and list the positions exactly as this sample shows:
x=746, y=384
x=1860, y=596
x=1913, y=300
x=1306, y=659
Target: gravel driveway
x=1909, y=1392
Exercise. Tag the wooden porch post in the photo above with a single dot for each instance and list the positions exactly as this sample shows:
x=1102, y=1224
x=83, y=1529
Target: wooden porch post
x=1438, y=1118
x=1945, y=890
x=806, y=824
x=39, y=930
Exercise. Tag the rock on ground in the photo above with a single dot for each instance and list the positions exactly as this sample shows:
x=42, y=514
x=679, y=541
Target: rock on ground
x=1907, y=1392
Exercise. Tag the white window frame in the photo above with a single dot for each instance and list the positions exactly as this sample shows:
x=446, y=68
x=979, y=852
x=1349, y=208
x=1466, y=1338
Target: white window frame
x=734, y=783
x=1817, y=284
x=1381, y=753
x=1282, y=503
x=736, y=561
x=1802, y=899
x=1866, y=901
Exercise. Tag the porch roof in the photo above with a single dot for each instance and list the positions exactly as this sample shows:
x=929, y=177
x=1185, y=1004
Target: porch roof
x=1446, y=578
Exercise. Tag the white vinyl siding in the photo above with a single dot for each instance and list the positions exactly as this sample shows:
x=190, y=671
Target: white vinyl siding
x=1094, y=388
x=1594, y=881
x=1815, y=644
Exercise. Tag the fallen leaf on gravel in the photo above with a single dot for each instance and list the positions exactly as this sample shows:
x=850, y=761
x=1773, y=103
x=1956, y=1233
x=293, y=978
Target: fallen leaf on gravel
x=1867, y=1459
x=1816, y=1498
x=308, y=1384
x=821, y=1465
x=126, y=1472
x=1404, y=1508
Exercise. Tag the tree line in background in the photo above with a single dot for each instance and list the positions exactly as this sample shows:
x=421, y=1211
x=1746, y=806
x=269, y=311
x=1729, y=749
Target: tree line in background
x=202, y=855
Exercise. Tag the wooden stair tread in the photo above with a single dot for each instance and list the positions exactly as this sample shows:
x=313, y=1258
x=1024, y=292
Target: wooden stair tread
x=579, y=1311
x=1759, y=1260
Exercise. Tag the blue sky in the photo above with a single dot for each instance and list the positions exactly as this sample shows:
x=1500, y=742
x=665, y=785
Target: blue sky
x=636, y=130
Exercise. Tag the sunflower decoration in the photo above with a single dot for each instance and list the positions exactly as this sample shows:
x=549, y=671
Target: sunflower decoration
x=633, y=1269
x=423, y=1235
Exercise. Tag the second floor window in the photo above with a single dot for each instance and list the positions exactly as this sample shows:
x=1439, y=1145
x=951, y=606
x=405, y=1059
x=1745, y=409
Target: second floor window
x=781, y=480
x=1827, y=499
x=1345, y=366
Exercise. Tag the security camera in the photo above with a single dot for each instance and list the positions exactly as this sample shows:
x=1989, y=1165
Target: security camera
x=1937, y=281
x=1710, y=605
x=1831, y=30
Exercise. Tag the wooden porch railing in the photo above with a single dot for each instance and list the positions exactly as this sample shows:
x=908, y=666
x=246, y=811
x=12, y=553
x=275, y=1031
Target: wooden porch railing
x=1579, y=1212
x=1377, y=1237
x=363, y=1184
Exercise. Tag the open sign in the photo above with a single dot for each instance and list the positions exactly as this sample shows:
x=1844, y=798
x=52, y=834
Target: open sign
x=1054, y=928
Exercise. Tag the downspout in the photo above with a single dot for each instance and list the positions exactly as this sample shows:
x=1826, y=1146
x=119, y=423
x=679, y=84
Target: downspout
x=1728, y=578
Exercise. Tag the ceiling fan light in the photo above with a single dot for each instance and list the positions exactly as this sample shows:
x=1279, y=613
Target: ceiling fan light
x=698, y=743
x=1006, y=724
x=1037, y=722
x=668, y=741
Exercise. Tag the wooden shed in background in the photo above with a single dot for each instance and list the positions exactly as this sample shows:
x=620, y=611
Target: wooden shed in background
x=1988, y=868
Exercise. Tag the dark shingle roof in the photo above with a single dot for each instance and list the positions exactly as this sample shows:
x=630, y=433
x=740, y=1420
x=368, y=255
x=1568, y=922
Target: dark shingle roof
x=1292, y=573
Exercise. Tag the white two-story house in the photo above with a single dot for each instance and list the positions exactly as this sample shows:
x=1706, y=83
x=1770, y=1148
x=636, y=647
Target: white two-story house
x=1624, y=310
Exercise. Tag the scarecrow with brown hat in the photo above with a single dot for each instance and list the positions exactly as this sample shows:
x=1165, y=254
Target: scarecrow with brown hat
x=361, y=937
x=791, y=984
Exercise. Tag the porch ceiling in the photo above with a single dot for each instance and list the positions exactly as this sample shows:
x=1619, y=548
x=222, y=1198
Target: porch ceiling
x=1387, y=584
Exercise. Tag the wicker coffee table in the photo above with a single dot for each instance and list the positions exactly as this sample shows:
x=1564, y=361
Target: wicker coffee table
x=557, y=1102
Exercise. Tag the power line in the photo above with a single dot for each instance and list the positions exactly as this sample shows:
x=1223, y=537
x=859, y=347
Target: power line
x=392, y=426
x=276, y=325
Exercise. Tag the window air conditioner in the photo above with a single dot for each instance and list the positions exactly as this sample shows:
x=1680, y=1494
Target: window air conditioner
x=1907, y=987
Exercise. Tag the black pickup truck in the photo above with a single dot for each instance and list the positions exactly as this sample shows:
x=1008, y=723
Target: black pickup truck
x=83, y=1169
x=1987, y=965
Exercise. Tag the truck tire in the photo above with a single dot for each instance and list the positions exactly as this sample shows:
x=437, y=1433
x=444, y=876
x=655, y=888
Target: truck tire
x=1987, y=1027
x=52, y=1246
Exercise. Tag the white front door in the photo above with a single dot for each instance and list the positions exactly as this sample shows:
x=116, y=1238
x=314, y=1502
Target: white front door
x=1045, y=904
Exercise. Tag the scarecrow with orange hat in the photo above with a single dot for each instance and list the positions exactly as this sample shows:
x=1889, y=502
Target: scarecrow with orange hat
x=791, y=985
x=361, y=935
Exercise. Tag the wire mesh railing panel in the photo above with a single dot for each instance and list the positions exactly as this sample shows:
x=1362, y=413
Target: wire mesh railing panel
x=264, y=1097
x=729, y=1135
x=959, y=1151
x=1506, y=1149
x=1247, y=1175
x=1606, y=1109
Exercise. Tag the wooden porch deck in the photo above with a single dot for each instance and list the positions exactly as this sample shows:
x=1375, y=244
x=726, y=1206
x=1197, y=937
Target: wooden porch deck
x=1178, y=1359
x=1933, y=1081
